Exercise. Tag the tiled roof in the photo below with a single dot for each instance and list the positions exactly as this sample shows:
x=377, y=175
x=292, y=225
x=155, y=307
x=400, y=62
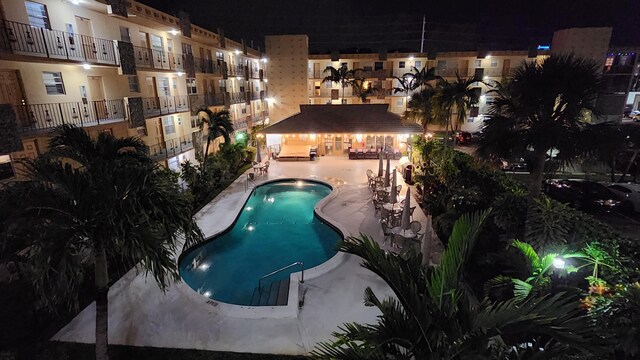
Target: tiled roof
x=346, y=118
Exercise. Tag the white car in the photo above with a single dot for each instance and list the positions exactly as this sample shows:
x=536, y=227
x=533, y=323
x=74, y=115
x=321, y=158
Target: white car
x=629, y=193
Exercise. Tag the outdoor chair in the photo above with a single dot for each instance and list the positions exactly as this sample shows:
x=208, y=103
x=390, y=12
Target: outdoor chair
x=377, y=205
x=411, y=209
x=385, y=216
x=370, y=178
x=416, y=227
x=398, y=188
x=388, y=235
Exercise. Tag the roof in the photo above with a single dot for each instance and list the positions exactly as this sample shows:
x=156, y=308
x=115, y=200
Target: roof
x=345, y=118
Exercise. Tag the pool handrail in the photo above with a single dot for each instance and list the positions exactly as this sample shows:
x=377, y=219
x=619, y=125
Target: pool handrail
x=282, y=269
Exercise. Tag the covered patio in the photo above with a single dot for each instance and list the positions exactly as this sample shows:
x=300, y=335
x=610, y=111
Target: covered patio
x=360, y=130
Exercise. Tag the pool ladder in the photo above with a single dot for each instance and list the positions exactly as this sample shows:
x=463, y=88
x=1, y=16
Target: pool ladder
x=276, y=293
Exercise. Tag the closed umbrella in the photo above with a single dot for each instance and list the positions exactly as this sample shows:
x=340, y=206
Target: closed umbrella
x=406, y=211
x=380, y=169
x=394, y=193
x=388, y=174
x=258, y=157
x=426, y=243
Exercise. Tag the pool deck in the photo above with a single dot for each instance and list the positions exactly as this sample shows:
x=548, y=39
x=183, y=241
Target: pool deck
x=140, y=314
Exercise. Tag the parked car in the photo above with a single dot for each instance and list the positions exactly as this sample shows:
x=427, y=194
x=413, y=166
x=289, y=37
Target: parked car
x=583, y=195
x=517, y=165
x=629, y=193
x=465, y=138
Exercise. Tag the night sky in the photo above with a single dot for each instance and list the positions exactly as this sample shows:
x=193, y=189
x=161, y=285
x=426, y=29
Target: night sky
x=374, y=25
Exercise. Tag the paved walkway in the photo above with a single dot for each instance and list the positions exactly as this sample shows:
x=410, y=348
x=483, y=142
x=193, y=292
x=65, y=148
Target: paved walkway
x=141, y=315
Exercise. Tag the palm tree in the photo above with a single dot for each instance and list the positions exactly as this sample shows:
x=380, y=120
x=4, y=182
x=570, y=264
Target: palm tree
x=341, y=76
x=99, y=202
x=422, y=77
x=218, y=124
x=405, y=86
x=544, y=107
x=460, y=95
x=420, y=108
x=361, y=89
x=433, y=314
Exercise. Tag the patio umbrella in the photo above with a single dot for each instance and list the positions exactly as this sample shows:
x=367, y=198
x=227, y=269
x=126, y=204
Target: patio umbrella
x=380, y=169
x=406, y=215
x=426, y=243
x=394, y=193
x=258, y=157
x=388, y=174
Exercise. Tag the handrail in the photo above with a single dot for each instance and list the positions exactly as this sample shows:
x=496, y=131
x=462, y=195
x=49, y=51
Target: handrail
x=282, y=269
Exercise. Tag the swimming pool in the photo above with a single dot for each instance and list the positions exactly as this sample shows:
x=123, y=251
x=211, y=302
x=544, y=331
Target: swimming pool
x=276, y=227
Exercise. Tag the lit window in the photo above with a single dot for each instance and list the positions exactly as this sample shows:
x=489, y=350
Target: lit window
x=418, y=64
x=37, y=14
x=6, y=169
x=609, y=61
x=478, y=63
x=134, y=85
x=169, y=126
x=53, y=83
x=494, y=62
x=191, y=86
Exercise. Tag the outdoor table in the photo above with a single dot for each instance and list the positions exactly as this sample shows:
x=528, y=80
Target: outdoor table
x=405, y=233
x=397, y=207
x=258, y=167
x=385, y=189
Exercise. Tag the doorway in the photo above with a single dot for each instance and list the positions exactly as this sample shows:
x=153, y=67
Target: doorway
x=86, y=33
x=96, y=96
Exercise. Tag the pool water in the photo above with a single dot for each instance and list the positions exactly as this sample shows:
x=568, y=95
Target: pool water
x=276, y=227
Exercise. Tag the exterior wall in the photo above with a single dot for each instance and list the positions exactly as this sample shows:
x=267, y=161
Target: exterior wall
x=590, y=43
x=287, y=56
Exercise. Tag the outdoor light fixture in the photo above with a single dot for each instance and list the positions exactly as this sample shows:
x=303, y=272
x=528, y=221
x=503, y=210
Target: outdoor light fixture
x=174, y=32
x=488, y=57
x=86, y=66
x=410, y=58
x=251, y=228
x=249, y=208
x=75, y=2
x=483, y=97
x=179, y=73
x=207, y=293
x=558, y=262
x=485, y=78
x=264, y=60
x=237, y=52
x=203, y=267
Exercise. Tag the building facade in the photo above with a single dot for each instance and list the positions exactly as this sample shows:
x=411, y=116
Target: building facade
x=121, y=67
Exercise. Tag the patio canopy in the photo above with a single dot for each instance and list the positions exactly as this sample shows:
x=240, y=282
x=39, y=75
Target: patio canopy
x=345, y=118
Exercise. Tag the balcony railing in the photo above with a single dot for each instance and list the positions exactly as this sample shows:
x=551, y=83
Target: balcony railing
x=255, y=95
x=240, y=124
x=254, y=73
x=235, y=70
x=171, y=148
x=207, y=66
x=237, y=97
x=157, y=59
x=164, y=105
x=377, y=74
x=34, y=117
x=463, y=72
x=24, y=39
x=256, y=120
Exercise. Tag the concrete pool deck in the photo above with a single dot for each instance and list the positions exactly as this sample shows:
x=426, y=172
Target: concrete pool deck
x=140, y=314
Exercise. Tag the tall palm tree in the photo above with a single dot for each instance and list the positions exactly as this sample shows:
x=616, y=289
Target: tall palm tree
x=406, y=84
x=361, y=89
x=460, y=95
x=341, y=76
x=420, y=108
x=433, y=314
x=544, y=107
x=99, y=202
x=218, y=123
x=422, y=77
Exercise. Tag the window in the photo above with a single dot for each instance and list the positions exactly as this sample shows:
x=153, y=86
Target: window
x=494, y=62
x=401, y=65
x=6, y=169
x=478, y=63
x=400, y=101
x=418, y=64
x=219, y=55
x=156, y=42
x=53, y=83
x=124, y=34
x=170, y=45
x=37, y=14
x=378, y=65
x=163, y=87
x=174, y=81
x=169, y=126
x=442, y=64
x=134, y=84
x=328, y=84
x=191, y=86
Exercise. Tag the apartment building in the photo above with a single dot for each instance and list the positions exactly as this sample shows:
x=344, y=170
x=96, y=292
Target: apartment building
x=490, y=66
x=121, y=67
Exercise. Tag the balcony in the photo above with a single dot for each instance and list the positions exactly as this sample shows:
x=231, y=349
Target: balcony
x=316, y=74
x=255, y=95
x=36, y=117
x=376, y=74
x=199, y=101
x=462, y=72
x=255, y=73
x=257, y=120
x=157, y=59
x=24, y=39
x=235, y=70
x=494, y=72
x=207, y=66
x=237, y=97
x=164, y=105
x=170, y=148
x=240, y=124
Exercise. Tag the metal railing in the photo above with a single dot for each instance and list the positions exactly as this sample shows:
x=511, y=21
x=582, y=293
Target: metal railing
x=164, y=105
x=171, y=148
x=237, y=97
x=300, y=263
x=25, y=39
x=157, y=59
x=197, y=101
x=240, y=124
x=463, y=72
x=207, y=66
x=34, y=117
x=235, y=70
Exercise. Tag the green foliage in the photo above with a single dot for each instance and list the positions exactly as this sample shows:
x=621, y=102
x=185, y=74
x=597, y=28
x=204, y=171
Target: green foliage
x=548, y=223
x=433, y=315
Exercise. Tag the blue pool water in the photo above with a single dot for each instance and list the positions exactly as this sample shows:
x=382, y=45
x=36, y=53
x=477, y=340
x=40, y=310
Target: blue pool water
x=276, y=227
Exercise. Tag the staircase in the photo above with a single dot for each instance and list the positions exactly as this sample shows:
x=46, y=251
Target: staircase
x=275, y=293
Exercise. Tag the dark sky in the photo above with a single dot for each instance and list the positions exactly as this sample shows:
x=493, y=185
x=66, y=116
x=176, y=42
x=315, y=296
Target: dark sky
x=396, y=25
